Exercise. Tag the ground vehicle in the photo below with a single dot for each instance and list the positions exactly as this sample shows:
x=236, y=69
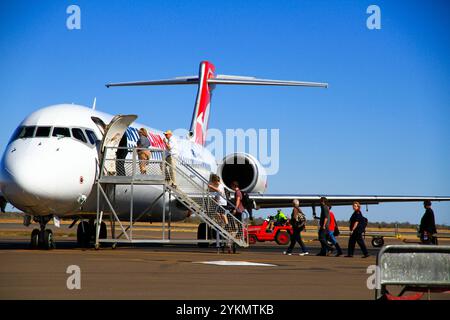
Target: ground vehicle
x=280, y=234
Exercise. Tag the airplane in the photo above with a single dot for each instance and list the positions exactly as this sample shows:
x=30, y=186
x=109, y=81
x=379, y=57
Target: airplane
x=50, y=165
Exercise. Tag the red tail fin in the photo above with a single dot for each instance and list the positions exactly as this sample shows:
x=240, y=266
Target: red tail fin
x=200, y=118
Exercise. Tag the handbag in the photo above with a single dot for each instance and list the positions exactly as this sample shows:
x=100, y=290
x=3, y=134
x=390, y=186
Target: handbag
x=336, y=232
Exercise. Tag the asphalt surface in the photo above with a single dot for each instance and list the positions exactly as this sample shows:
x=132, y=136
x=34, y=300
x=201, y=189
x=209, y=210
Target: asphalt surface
x=177, y=272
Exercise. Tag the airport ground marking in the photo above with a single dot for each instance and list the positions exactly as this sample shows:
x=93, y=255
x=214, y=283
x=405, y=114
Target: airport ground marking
x=237, y=263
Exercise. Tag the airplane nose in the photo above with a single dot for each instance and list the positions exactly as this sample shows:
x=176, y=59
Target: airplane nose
x=43, y=180
x=22, y=181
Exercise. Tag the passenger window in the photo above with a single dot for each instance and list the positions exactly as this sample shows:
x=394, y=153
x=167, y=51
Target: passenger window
x=43, y=132
x=27, y=132
x=61, y=132
x=91, y=136
x=78, y=134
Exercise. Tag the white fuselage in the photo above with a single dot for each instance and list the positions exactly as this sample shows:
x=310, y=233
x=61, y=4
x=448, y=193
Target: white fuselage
x=45, y=172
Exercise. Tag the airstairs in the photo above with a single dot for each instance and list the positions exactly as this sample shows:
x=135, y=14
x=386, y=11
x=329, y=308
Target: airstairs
x=190, y=190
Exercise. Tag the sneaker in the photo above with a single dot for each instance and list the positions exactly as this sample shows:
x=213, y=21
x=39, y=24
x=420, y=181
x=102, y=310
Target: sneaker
x=366, y=256
x=347, y=256
x=287, y=253
x=303, y=253
x=338, y=254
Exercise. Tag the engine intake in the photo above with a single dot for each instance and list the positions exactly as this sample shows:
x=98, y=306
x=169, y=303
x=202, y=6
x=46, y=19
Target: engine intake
x=244, y=169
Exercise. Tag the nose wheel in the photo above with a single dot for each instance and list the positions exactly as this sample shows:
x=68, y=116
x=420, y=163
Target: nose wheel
x=42, y=238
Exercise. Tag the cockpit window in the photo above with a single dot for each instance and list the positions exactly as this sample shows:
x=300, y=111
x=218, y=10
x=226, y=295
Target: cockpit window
x=78, y=134
x=91, y=136
x=43, y=132
x=24, y=132
x=61, y=132
x=27, y=132
x=16, y=134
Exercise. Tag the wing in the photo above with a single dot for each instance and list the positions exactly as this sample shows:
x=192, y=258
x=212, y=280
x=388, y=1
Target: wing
x=283, y=201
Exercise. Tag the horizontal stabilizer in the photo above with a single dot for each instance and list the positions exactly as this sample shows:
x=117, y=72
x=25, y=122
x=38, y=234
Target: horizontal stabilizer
x=178, y=80
x=221, y=79
x=206, y=80
x=225, y=79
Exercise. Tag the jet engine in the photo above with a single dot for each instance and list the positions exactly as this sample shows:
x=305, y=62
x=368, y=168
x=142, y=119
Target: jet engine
x=246, y=170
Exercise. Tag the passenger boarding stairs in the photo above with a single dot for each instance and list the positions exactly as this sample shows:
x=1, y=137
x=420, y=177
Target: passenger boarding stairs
x=191, y=189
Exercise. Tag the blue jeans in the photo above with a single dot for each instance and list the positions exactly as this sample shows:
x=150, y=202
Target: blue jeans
x=334, y=242
x=332, y=237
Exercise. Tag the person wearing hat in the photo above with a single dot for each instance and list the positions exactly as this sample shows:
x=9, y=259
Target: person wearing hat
x=172, y=152
x=427, y=227
x=143, y=153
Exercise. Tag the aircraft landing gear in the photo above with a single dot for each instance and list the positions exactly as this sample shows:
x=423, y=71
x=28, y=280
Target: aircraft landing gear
x=86, y=233
x=42, y=238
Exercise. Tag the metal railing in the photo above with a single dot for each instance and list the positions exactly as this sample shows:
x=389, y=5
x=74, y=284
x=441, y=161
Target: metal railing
x=213, y=207
x=419, y=268
x=144, y=163
x=181, y=180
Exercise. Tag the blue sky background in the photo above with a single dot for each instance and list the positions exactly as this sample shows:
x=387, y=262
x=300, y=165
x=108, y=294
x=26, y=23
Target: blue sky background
x=381, y=128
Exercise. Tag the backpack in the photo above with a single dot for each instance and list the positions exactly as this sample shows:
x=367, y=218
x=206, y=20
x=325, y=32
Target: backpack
x=302, y=221
x=364, y=223
x=246, y=202
x=299, y=223
x=336, y=232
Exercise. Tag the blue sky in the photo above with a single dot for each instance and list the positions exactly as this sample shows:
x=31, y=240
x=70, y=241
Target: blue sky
x=381, y=127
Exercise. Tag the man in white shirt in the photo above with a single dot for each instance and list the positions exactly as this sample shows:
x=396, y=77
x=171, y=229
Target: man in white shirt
x=172, y=152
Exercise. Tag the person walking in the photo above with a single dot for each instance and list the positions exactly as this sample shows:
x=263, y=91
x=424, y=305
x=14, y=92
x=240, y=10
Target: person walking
x=143, y=153
x=239, y=206
x=121, y=155
x=221, y=202
x=427, y=227
x=324, y=223
x=357, y=227
x=333, y=232
x=298, y=223
x=172, y=152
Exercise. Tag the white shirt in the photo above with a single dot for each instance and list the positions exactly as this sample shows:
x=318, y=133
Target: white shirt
x=173, y=146
x=220, y=196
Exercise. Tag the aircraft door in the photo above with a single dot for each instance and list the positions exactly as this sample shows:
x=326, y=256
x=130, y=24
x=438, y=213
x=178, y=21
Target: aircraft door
x=113, y=133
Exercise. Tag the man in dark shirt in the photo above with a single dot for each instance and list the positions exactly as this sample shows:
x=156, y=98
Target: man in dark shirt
x=238, y=201
x=121, y=155
x=427, y=227
x=324, y=222
x=237, y=212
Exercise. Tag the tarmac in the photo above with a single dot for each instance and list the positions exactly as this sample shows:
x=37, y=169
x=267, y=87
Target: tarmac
x=178, y=272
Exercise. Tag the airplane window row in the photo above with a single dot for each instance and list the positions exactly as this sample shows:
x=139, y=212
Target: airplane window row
x=60, y=132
